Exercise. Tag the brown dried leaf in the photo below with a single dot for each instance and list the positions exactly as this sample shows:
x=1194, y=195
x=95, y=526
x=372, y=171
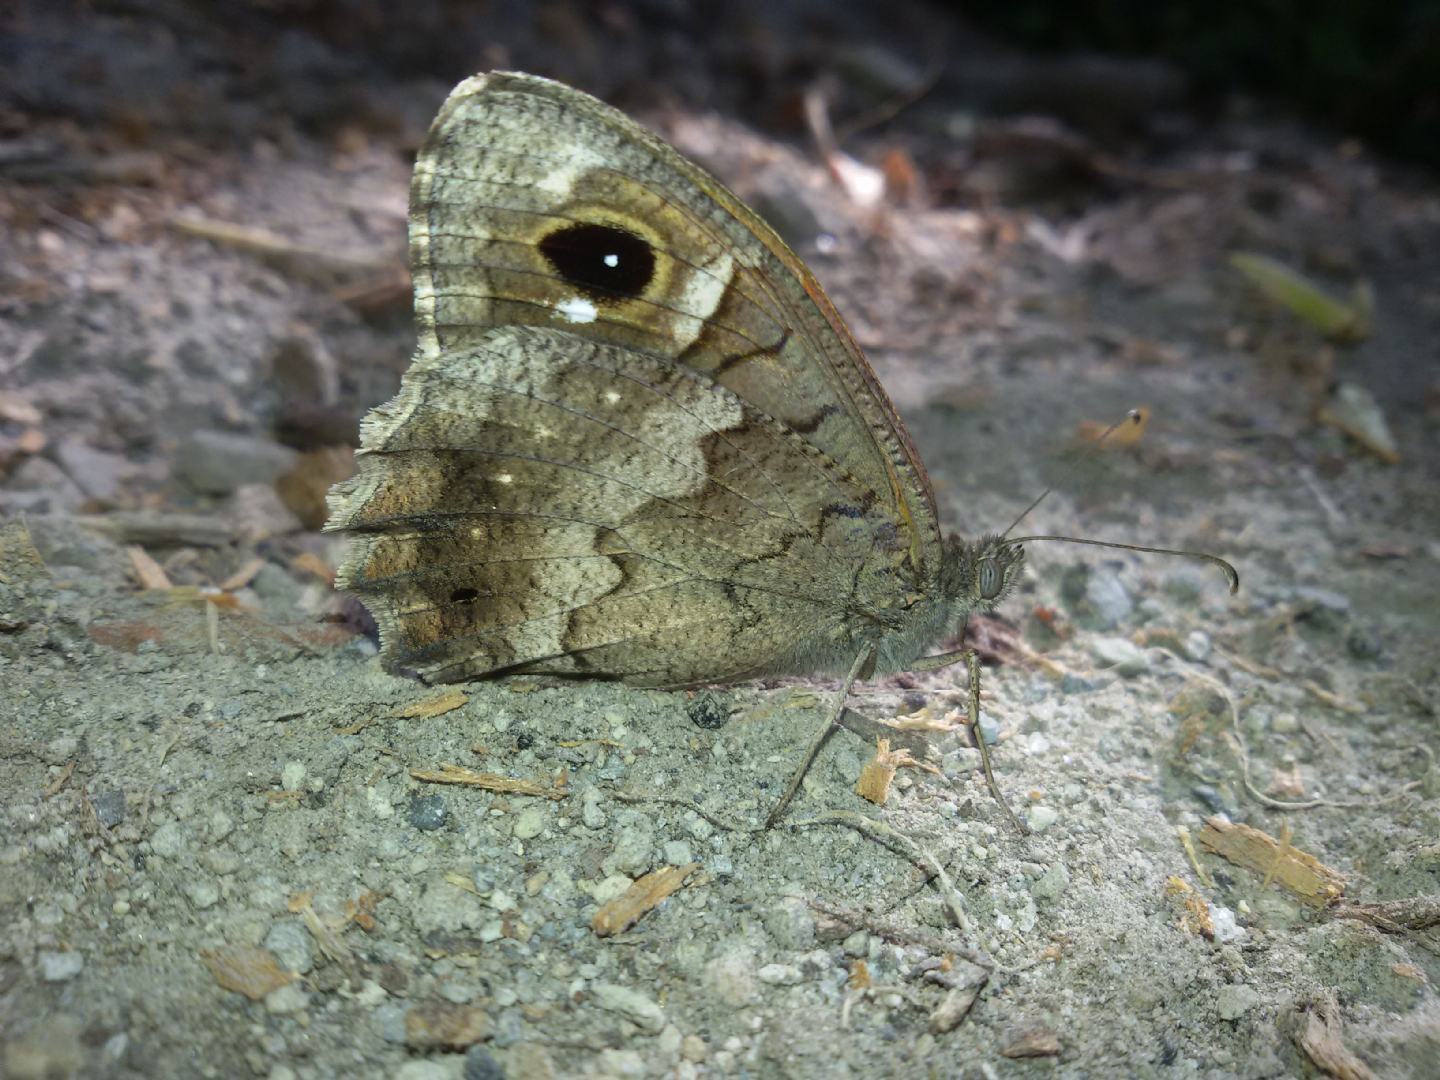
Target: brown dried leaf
x=1303, y=874
x=1115, y=436
x=246, y=574
x=447, y=701
x=647, y=892
x=1315, y=1030
x=879, y=771
x=148, y=572
x=247, y=969
x=1287, y=783
x=1354, y=410
x=455, y=774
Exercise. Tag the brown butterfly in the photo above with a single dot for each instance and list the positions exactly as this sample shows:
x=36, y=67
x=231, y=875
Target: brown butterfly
x=636, y=440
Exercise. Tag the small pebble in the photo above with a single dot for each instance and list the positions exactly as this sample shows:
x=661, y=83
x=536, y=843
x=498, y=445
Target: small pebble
x=427, y=812
x=1040, y=817
x=202, y=894
x=1197, y=645
x=1121, y=654
x=708, y=710
x=1285, y=724
x=291, y=944
x=1106, y=598
x=292, y=775
x=677, y=852
x=286, y=999
x=591, y=815
x=1051, y=885
x=699, y=828
x=221, y=825
x=169, y=840
x=669, y=1041
x=60, y=966
x=60, y=750
x=1235, y=1000
x=529, y=823
x=480, y=1064
x=640, y=1009
x=109, y=807
x=791, y=923
x=780, y=975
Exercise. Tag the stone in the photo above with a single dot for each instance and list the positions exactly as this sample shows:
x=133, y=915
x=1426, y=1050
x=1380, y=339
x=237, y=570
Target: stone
x=286, y=1000
x=1121, y=654
x=780, y=975
x=220, y=462
x=434, y=1025
x=1235, y=1000
x=427, y=812
x=291, y=943
x=60, y=966
x=97, y=473
x=292, y=776
x=170, y=840
x=791, y=923
x=202, y=894
x=109, y=807
x=1051, y=885
x=529, y=823
x=639, y=1008
x=1040, y=817
x=677, y=852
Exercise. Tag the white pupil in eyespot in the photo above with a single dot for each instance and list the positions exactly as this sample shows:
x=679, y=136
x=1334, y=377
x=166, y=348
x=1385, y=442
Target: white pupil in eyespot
x=612, y=261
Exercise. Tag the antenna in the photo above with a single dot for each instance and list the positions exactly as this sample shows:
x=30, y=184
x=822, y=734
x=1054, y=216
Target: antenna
x=1133, y=417
x=1231, y=574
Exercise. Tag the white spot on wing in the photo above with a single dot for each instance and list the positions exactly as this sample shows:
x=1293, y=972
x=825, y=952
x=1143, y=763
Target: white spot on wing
x=576, y=309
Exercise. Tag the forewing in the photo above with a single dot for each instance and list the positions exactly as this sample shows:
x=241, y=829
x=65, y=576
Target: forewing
x=519, y=187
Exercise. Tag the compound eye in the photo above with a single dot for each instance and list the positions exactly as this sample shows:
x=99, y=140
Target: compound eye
x=990, y=579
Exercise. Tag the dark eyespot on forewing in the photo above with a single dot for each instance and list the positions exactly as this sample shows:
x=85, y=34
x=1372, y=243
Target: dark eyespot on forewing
x=604, y=262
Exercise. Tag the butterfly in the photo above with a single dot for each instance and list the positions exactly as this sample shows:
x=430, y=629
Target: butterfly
x=636, y=440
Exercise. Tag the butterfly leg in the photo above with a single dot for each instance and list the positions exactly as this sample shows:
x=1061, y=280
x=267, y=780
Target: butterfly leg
x=972, y=718
x=864, y=664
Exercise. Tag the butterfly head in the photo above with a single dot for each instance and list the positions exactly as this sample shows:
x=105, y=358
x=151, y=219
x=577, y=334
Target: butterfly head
x=978, y=575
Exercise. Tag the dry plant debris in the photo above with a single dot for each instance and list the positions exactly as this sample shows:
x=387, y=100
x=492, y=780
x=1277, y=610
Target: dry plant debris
x=457, y=774
x=441, y=703
x=1194, y=909
x=1338, y=320
x=247, y=969
x=647, y=892
x=1299, y=872
x=879, y=771
x=1315, y=1030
